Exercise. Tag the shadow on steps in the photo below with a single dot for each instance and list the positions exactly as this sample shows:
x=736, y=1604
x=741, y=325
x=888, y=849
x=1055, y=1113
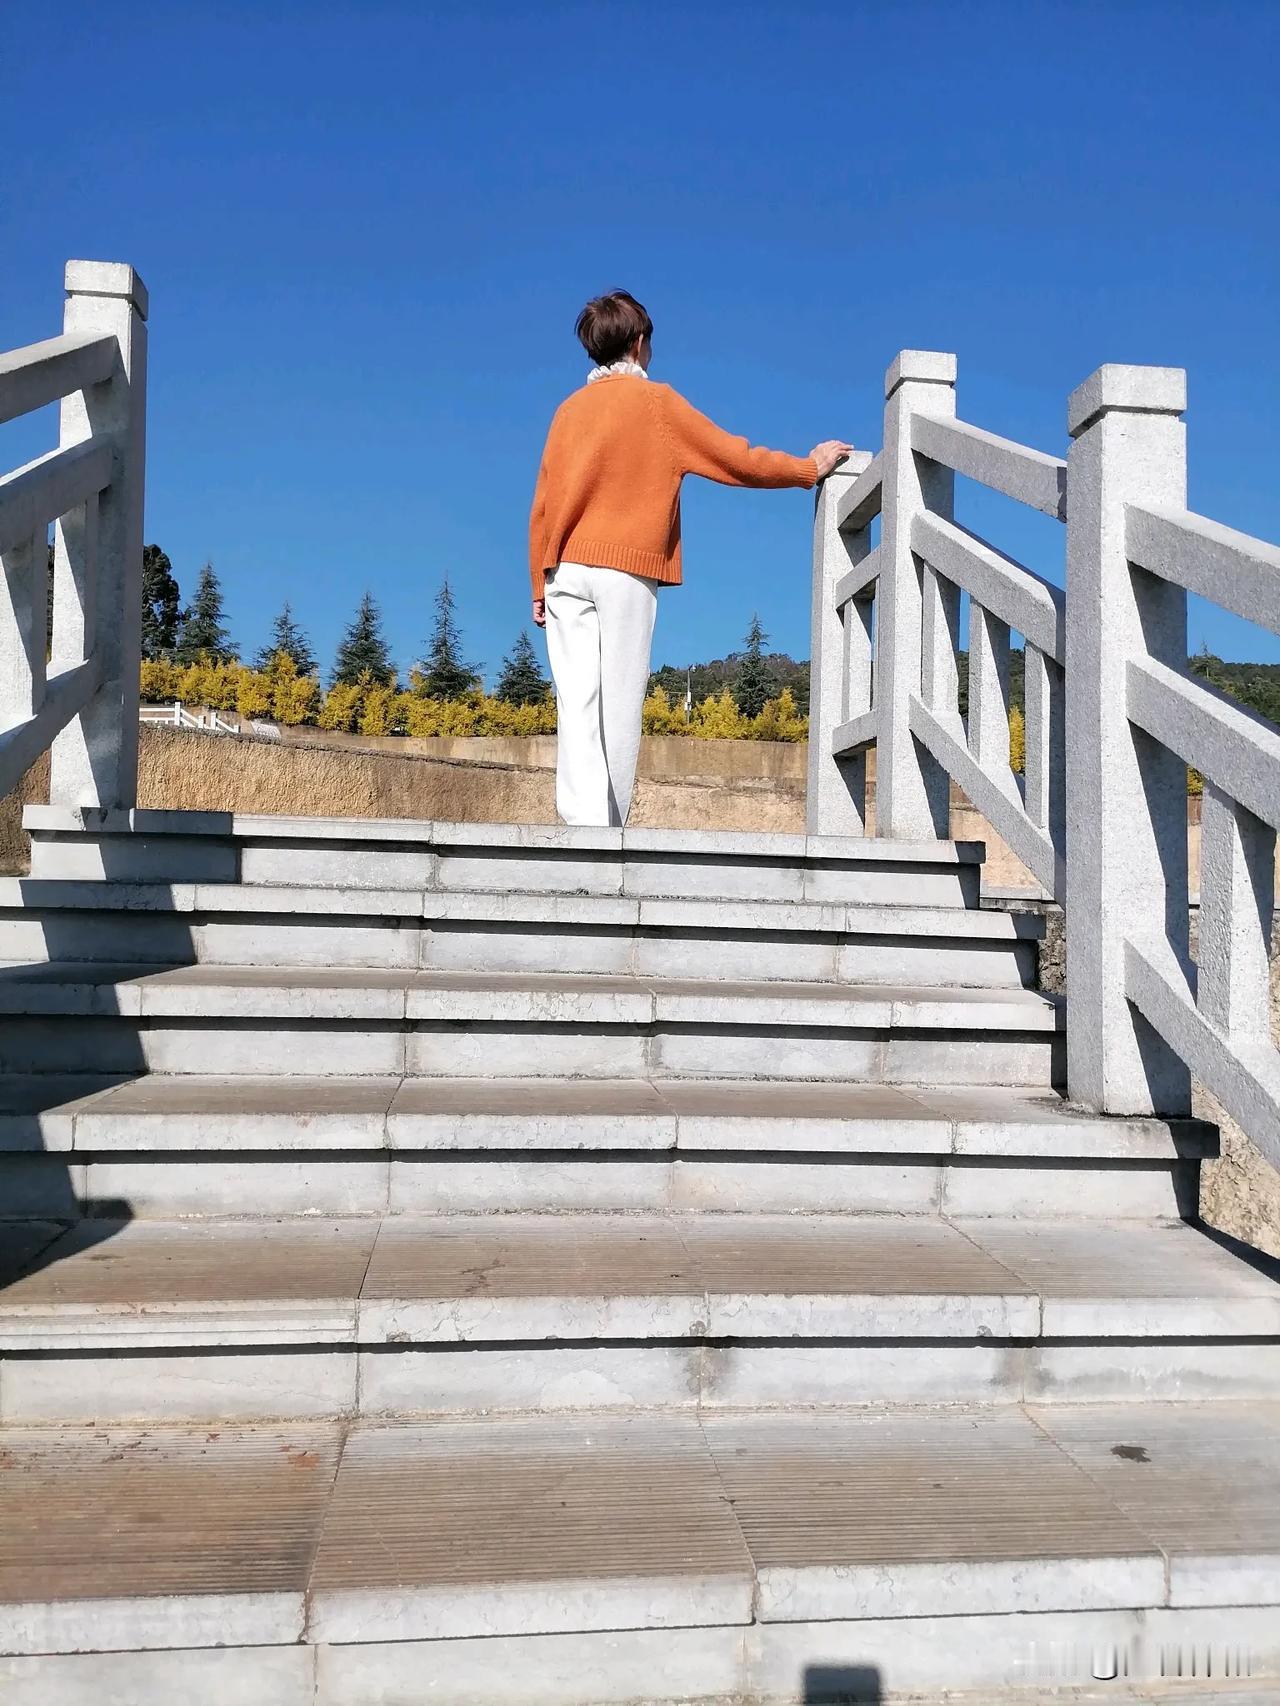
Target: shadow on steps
x=842, y=1685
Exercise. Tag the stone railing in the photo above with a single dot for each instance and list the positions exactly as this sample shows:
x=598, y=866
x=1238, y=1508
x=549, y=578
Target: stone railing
x=1113, y=717
x=69, y=656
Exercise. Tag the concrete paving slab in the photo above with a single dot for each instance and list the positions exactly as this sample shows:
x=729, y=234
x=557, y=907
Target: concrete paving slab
x=38, y=1111
x=809, y=1536
x=1099, y=1279
x=475, y=1380
x=202, y=1111
x=841, y=1118
x=528, y=998
x=454, y=1280
x=186, y=1112
x=106, y=1283
x=451, y=1530
x=859, y=1277
x=183, y=1384
x=1203, y=1480
x=852, y=849
x=83, y=990
x=270, y=992
x=489, y=906
x=905, y=1514
x=201, y=1536
x=63, y=893
x=444, y=1277
x=674, y=1665
x=513, y=1114
x=204, y=1676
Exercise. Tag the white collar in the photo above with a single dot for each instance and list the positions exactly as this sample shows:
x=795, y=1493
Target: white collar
x=616, y=367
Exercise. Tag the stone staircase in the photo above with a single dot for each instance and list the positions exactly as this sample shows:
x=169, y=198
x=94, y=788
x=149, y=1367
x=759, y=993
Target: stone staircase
x=485, y=1263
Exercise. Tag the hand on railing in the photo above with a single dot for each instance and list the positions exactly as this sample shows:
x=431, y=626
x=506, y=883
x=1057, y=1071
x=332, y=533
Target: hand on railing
x=829, y=454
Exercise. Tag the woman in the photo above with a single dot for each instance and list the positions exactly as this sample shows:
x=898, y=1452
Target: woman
x=604, y=535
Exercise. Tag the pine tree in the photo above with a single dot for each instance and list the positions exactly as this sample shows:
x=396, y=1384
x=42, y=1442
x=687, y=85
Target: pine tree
x=363, y=651
x=754, y=686
x=203, y=632
x=288, y=637
x=443, y=674
x=161, y=611
x=522, y=681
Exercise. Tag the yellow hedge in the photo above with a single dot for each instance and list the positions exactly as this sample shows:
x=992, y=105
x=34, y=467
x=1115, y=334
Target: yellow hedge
x=718, y=718
x=1017, y=740
x=280, y=694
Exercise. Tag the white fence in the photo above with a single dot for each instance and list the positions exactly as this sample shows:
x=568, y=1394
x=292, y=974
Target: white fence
x=1113, y=717
x=176, y=716
x=72, y=684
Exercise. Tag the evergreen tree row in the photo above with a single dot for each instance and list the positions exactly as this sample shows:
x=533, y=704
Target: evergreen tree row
x=199, y=634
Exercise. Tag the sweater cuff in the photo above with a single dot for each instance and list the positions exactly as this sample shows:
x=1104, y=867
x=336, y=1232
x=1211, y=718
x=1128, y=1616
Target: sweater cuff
x=808, y=472
x=538, y=577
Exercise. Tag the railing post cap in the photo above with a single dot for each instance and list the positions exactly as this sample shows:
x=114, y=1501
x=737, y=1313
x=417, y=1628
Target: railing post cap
x=106, y=278
x=853, y=467
x=1134, y=390
x=934, y=367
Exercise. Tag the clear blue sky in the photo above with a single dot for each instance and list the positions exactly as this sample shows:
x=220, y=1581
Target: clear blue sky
x=367, y=230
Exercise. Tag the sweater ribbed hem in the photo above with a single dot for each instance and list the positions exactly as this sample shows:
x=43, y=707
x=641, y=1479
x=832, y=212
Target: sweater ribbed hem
x=649, y=565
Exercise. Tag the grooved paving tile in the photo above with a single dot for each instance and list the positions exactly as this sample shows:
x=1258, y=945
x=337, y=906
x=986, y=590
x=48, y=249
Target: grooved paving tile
x=87, y=1513
x=158, y=1536
x=1202, y=1479
x=501, y=1527
x=620, y=1276
x=909, y=1513
x=506, y=1257
x=1101, y=1277
x=196, y=1094
x=449, y=1279
x=863, y=1275
x=153, y=1279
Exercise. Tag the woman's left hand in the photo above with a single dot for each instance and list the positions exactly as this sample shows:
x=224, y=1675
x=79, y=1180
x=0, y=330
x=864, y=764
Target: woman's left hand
x=539, y=612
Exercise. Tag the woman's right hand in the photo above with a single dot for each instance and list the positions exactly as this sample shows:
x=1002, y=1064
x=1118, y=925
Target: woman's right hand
x=829, y=454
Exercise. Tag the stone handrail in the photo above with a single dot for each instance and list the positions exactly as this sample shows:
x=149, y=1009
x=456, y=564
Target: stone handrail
x=1113, y=717
x=74, y=688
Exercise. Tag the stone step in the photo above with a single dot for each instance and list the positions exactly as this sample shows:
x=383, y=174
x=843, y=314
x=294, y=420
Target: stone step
x=219, y=847
x=233, y=1319
x=369, y=1021
x=482, y=930
x=557, y=1561
x=187, y=1144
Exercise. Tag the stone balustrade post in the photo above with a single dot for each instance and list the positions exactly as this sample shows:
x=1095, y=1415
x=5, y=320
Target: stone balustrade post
x=912, y=789
x=1126, y=835
x=840, y=663
x=98, y=548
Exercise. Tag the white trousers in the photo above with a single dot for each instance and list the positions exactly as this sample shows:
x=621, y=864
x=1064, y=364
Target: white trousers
x=599, y=634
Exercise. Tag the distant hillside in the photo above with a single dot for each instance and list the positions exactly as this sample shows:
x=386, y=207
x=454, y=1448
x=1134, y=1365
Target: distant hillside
x=710, y=679
x=1256, y=685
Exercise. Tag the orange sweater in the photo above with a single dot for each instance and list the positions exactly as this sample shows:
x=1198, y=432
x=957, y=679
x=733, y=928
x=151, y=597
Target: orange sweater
x=609, y=485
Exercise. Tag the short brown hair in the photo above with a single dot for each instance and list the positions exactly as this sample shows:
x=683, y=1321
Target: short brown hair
x=610, y=324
